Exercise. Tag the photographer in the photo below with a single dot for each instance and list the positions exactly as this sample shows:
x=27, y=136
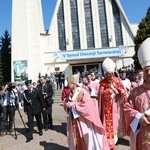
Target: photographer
x=9, y=106
x=45, y=88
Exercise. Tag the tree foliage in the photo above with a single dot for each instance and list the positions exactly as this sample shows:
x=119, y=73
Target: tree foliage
x=142, y=33
x=5, y=44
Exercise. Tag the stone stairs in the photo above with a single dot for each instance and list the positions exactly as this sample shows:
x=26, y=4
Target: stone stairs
x=57, y=96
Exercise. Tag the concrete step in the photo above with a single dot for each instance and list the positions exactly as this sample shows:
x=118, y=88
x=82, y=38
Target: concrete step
x=57, y=96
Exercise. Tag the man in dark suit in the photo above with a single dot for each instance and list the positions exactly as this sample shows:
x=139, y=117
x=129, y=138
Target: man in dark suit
x=45, y=88
x=33, y=105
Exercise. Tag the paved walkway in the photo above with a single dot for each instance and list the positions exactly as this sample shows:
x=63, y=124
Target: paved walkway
x=50, y=140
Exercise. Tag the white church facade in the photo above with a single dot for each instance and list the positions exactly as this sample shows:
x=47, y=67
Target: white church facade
x=81, y=35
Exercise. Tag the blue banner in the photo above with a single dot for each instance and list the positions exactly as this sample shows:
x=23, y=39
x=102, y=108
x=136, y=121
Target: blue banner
x=111, y=52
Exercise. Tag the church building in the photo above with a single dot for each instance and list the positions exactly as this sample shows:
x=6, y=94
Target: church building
x=81, y=35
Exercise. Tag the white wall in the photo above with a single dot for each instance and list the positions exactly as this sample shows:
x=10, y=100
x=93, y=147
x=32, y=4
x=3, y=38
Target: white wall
x=27, y=24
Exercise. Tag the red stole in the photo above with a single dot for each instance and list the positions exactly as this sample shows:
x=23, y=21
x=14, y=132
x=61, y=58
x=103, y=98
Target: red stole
x=108, y=106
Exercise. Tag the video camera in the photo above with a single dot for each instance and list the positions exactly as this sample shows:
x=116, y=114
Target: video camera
x=11, y=86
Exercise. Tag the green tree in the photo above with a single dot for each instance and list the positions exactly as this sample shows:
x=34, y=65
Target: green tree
x=5, y=45
x=142, y=33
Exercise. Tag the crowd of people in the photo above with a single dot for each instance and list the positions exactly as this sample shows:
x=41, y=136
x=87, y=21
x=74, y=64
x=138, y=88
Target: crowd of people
x=100, y=109
x=35, y=98
x=58, y=79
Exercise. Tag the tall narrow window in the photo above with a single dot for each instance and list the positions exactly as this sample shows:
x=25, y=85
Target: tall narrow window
x=117, y=24
x=103, y=23
x=61, y=27
x=75, y=24
x=89, y=24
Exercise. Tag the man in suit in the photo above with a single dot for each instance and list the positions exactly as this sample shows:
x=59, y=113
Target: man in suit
x=45, y=88
x=33, y=105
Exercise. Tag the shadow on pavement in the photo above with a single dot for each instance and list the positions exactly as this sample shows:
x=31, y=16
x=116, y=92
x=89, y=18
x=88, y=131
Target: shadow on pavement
x=61, y=128
x=24, y=132
x=52, y=146
x=57, y=128
x=122, y=141
x=21, y=130
x=17, y=132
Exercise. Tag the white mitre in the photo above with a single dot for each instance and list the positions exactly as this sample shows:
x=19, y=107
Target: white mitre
x=108, y=65
x=74, y=79
x=144, y=53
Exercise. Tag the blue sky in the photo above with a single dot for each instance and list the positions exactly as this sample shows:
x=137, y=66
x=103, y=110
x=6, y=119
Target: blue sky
x=134, y=9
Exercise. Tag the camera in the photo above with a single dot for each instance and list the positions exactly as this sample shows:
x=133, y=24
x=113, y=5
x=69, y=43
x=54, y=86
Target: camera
x=10, y=87
x=44, y=95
